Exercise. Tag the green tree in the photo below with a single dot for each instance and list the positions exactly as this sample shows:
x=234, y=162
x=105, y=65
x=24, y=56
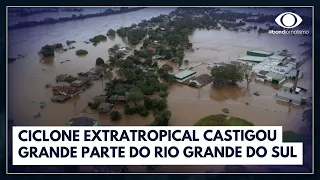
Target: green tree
x=108, y=75
x=167, y=67
x=145, y=43
x=47, y=51
x=112, y=60
x=81, y=52
x=135, y=95
x=227, y=74
x=98, y=38
x=162, y=104
x=122, y=32
x=115, y=115
x=144, y=112
x=148, y=103
x=99, y=61
x=111, y=32
x=163, y=94
x=161, y=118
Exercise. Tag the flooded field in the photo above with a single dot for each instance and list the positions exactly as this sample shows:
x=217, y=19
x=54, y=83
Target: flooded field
x=28, y=76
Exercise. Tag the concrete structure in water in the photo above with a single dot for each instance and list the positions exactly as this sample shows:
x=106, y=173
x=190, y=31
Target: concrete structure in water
x=82, y=121
x=201, y=80
x=251, y=60
x=288, y=87
x=289, y=97
x=259, y=53
x=105, y=107
x=275, y=77
x=184, y=75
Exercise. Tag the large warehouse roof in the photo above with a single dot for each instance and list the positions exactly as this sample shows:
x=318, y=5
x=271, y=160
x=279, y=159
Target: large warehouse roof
x=252, y=58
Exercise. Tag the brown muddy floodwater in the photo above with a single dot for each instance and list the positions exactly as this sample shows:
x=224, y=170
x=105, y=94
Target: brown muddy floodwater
x=28, y=76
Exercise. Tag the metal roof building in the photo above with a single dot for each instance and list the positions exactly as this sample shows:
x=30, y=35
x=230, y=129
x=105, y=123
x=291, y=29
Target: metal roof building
x=289, y=97
x=184, y=75
x=259, y=53
x=278, y=57
x=272, y=65
x=254, y=59
x=275, y=77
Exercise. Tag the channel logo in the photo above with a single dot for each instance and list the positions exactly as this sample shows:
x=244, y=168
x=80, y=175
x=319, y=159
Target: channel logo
x=288, y=20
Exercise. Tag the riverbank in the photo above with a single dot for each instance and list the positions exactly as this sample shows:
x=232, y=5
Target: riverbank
x=51, y=20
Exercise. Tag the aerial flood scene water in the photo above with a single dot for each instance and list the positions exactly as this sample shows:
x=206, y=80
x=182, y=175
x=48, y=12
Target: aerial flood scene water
x=159, y=66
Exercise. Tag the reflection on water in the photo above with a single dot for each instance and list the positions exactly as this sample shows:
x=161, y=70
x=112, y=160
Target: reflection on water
x=47, y=60
x=28, y=76
x=232, y=92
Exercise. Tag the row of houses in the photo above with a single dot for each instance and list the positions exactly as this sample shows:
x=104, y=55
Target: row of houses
x=105, y=103
x=64, y=90
x=189, y=77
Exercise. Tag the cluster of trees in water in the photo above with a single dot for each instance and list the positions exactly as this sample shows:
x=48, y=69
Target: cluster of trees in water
x=142, y=81
x=48, y=50
x=73, y=17
x=231, y=74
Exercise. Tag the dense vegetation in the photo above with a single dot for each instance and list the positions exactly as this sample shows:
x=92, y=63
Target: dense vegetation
x=99, y=61
x=98, y=38
x=111, y=32
x=138, y=78
x=71, y=18
x=70, y=42
x=228, y=74
x=48, y=50
x=65, y=78
x=115, y=115
x=222, y=120
x=81, y=52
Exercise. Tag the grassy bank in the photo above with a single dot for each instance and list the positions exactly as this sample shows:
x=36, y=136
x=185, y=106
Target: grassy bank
x=222, y=120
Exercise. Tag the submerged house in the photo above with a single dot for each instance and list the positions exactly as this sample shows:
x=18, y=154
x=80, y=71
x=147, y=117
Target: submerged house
x=201, y=80
x=261, y=75
x=64, y=88
x=82, y=121
x=95, y=71
x=105, y=107
x=275, y=78
x=77, y=83
x=259, y=53
x=59, y=98
x=288, y=87
x=68, y=91
x=184, y=75
x=118, y=99
x=59, y=85
x=100, y=99
x=289, y=97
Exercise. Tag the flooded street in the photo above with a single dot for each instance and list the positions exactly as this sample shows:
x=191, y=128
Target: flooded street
x=28, y=76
